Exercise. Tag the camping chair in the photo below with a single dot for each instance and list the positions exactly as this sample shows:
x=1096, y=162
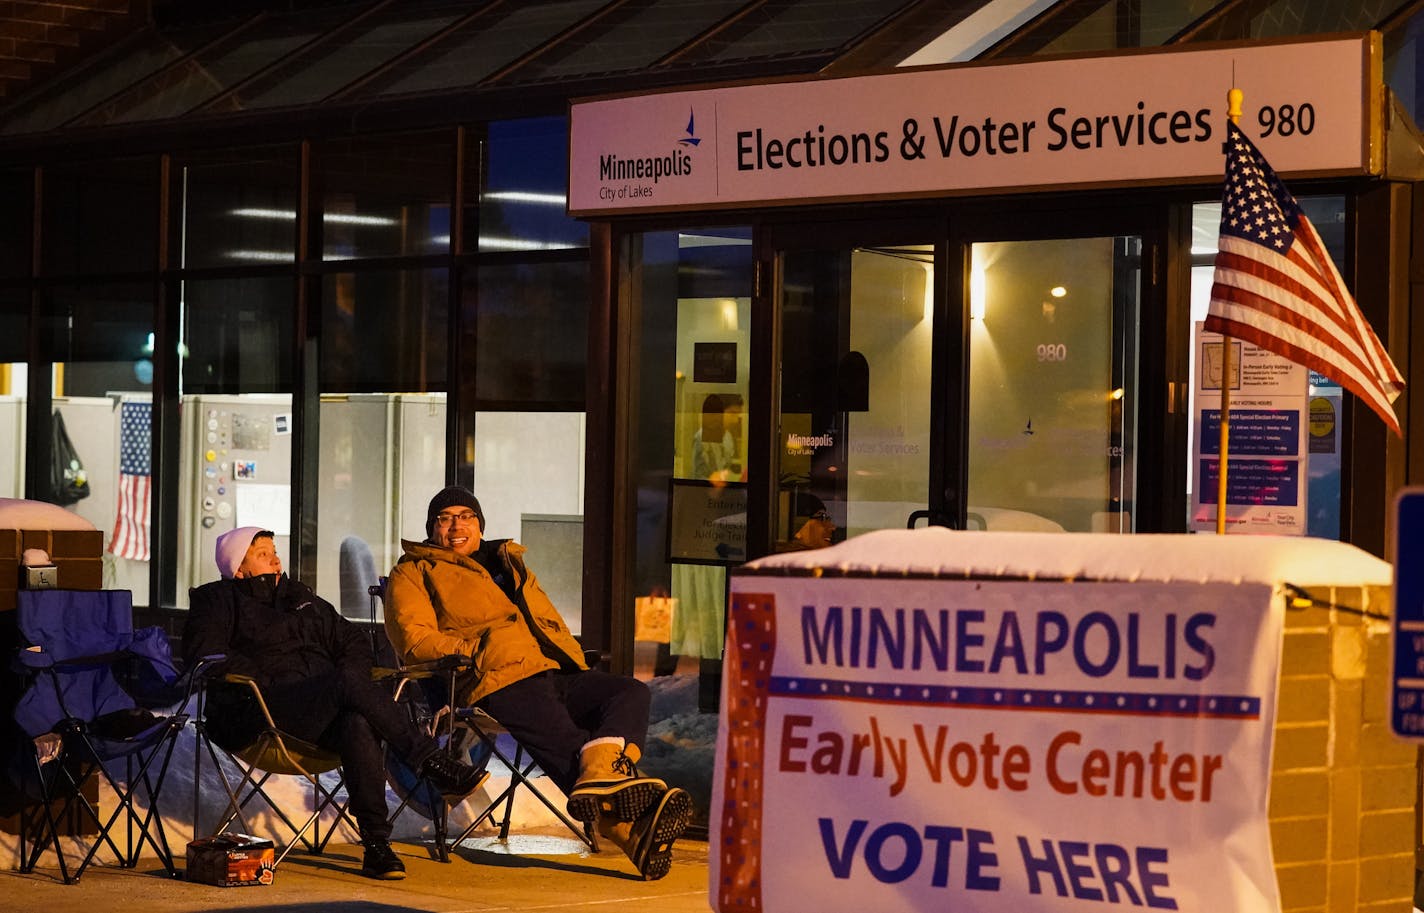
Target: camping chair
x=92, y=683
x=429, y=688
x=270, y=753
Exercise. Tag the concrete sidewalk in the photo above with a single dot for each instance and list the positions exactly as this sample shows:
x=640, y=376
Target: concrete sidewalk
x=534, y=871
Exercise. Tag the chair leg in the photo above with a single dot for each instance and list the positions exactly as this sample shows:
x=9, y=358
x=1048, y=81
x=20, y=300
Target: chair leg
x=148, y=827
x=250, y=783
x=441, y=820
x=520, y=770
x=72, y=804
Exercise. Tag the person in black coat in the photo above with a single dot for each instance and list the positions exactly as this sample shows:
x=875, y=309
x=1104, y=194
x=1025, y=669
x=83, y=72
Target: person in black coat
x=314, y=669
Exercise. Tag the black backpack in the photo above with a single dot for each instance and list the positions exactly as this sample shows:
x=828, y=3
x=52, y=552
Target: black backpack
x=68, y=482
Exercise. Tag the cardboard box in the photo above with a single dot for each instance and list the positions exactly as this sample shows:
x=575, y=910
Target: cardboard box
x=77, y=553
x=57, y=543
x=231, y=860
x=80, y=573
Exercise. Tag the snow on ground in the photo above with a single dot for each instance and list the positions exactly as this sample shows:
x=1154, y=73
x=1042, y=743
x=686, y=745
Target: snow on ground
x=680, y=750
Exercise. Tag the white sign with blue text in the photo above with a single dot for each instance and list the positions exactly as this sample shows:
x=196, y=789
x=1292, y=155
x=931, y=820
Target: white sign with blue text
x=1016, y=746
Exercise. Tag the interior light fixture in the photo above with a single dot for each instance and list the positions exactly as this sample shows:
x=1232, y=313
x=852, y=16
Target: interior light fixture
x=1118, y=394
x=336, y=218
x=978, y=280
x=265, y=256
x=927, y=309
x=528, y=196
x=493, y=242
x=729, y=314
x=1058, y=291
x=346, y=218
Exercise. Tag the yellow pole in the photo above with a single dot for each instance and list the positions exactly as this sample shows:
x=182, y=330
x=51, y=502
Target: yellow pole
x=1233, y=111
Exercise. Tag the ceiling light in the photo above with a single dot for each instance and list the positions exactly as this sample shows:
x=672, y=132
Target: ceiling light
x=525, y=196
x=337, y=218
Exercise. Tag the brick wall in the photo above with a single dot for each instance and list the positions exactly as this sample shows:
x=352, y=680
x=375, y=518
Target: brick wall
x=1343, y=788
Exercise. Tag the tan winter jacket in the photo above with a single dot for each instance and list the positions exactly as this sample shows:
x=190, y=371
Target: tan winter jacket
x=439, y=602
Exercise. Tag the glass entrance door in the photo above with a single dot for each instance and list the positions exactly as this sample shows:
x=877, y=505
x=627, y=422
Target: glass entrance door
x=1053, y=384
x=854, y=433
x=1011, y=404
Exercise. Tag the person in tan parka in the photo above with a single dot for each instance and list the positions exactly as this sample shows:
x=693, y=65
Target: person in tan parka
x=458, y=594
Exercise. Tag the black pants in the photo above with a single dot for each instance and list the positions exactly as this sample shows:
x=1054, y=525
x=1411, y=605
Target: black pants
x=553, y=714
x=347, y=713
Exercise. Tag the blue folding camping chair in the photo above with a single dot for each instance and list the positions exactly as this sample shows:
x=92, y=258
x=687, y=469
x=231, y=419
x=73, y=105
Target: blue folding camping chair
x=91, y=686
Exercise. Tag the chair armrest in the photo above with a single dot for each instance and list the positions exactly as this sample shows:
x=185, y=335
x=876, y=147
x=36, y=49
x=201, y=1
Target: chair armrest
x=455, y=662
x=235, y=678
x=36, y=658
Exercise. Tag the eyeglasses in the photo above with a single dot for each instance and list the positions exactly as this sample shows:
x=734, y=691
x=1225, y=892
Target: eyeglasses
x=823, y=515
x=444, y=520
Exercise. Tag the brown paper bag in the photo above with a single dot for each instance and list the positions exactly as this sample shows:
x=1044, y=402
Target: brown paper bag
x=653, y=618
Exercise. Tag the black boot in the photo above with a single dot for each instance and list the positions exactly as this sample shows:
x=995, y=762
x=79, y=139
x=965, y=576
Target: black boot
x=380, y=861
x=451, y=777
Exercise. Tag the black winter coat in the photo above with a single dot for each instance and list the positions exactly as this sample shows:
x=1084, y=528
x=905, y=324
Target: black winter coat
x=291, y=641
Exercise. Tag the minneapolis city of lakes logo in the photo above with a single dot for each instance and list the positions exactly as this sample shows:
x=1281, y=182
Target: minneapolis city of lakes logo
x=691, y=138
x=642, y=169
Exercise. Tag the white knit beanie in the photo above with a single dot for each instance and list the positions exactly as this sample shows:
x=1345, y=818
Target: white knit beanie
x=232, y=548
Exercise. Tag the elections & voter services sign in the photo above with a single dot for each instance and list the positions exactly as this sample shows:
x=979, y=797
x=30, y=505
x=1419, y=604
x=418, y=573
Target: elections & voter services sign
x=1147, y=117
x=893, y=743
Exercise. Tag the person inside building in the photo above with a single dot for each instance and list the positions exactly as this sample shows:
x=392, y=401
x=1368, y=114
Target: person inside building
x=314, y=670
x=457, y=593
x=812, y=523
x=716, y=444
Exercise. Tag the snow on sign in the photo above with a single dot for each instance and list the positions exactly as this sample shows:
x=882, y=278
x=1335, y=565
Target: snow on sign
x=902, y=742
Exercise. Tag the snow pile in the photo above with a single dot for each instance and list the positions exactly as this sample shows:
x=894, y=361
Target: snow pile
x=1149, y=557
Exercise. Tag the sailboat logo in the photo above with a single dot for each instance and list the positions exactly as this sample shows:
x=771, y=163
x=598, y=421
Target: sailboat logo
x=691, y=139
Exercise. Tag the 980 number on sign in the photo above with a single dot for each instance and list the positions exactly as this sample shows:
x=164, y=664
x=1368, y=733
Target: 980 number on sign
x=1052, y=351
x=1287, y=120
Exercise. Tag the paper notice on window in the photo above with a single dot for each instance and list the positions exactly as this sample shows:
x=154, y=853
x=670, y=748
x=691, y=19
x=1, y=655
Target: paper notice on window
x=265, y=506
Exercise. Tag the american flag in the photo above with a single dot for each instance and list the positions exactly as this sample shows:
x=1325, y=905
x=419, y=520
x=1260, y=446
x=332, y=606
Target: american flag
x=1276, y=286
x=130, y=538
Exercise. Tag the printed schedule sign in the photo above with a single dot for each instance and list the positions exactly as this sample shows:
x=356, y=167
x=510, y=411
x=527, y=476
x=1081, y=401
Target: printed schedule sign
x=1266, y=481
x=920, y=744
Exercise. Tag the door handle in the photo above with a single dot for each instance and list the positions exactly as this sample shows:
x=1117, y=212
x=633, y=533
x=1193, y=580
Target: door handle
x=934, y=518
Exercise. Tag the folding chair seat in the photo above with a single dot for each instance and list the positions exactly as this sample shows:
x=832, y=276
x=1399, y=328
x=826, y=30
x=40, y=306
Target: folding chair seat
x=92, y=686
x=271, y=753
x=473, y=735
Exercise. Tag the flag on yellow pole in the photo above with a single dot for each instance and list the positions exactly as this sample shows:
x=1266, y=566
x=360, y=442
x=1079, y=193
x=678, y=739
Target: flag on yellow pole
x=1276, y=286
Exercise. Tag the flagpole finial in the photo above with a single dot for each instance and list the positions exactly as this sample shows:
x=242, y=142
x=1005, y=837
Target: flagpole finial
x=1233, y=105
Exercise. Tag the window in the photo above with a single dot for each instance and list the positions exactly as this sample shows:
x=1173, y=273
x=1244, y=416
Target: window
x=240, y=208
x=387, y=196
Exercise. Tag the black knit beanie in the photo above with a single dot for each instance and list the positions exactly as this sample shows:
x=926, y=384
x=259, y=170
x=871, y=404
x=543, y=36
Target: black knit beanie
x=807, y=506
x=454, y=496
